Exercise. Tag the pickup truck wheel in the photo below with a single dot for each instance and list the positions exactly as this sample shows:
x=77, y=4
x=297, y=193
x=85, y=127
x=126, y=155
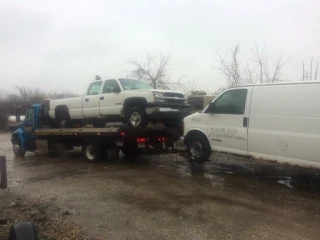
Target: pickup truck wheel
x=93, y=152
x=199, y=148
x=63, y=120
x=136, y=117
x=17, y=150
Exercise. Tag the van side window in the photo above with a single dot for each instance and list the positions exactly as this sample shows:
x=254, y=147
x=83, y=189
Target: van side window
x=231, y=102
x=94, y=88
x=109, y=86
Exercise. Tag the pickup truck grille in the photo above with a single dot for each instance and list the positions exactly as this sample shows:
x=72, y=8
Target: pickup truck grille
x=174, y=101
x=171, y=94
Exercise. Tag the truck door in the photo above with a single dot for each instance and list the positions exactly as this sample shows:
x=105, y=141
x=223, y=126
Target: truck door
x=228, y=121
x=90, y=102
x=110, y=98
x=28, y=126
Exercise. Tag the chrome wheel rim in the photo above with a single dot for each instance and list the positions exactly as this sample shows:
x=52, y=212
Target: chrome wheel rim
x=90, y=152
x=196, y=149
x=135, y=118
x=16, y=149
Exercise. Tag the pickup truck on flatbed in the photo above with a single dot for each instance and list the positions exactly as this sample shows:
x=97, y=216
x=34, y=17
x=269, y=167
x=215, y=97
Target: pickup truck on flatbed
x=131, y=101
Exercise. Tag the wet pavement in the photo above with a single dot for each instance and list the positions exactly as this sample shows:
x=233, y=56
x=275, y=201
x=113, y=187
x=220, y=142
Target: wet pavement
x=163, y=196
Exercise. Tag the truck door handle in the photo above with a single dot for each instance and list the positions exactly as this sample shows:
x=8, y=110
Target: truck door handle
x=87, y=100
x=101, y=98
x=245, y=122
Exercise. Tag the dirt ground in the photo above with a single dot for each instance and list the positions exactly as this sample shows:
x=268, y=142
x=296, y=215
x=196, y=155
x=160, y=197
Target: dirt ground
x=159, y=197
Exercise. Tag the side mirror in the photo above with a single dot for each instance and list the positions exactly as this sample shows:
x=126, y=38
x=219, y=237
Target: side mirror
x=18, y=114
x=116, y=90
x=211, y=107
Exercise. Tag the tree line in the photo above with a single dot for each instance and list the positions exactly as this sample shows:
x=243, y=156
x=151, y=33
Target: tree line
x=25, y=97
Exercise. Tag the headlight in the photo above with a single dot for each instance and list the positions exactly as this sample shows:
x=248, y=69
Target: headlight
x=157, y=94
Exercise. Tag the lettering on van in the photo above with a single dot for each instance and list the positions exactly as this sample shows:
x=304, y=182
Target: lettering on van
x=223, y=132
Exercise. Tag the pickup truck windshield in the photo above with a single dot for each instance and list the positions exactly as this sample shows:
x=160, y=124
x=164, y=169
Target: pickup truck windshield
x=128, y=84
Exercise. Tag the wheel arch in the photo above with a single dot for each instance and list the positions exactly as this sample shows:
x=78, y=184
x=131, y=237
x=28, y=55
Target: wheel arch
x=61, y=109
x=133, y=101
x=196, y=132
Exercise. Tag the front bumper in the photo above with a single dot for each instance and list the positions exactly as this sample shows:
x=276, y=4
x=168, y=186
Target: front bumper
x=168, y=105
x=171, y=113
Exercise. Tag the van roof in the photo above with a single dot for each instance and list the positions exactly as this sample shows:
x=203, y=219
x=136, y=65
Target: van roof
x=279, y=83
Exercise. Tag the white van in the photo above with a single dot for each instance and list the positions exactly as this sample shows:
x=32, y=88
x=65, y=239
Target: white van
x=278, y=121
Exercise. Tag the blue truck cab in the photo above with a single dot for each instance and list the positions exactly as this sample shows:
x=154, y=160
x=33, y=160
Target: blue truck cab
x=23, y=138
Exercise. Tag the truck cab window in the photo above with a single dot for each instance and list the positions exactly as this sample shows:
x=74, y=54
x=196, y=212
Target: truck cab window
x=231, y=102
x=109, y=85
x=94, y=88
x=30, y=114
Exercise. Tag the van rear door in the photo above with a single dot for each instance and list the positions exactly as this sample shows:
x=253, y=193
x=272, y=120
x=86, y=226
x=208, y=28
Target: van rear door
x=228, y=121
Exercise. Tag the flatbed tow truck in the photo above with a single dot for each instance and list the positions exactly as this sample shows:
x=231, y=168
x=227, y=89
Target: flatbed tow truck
x=34, y=134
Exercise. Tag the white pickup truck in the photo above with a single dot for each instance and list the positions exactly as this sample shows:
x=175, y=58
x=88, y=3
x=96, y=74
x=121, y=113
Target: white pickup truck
x=133, y=101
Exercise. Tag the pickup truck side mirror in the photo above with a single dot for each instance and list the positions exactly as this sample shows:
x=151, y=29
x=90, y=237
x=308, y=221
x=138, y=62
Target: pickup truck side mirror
x=116, y=90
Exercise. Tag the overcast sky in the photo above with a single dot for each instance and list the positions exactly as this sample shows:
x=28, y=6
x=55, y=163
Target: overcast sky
x=61, y=45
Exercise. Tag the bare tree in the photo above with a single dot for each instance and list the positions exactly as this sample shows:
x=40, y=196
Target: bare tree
x=277, y=66
x=153, y=68
x=311, y=69
x=306, y=76
x=264, y=70
x=3, y=96
x=230, y=68
x=260, y=59
x=250, y=74
x=190, y=87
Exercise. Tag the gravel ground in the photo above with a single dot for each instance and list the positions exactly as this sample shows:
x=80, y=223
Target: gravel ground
x=159, y=197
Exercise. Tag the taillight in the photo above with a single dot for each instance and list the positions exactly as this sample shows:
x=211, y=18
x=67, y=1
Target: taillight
x=141, y=140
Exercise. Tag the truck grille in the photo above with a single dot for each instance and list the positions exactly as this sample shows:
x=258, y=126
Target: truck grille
x=174, y=101
x=171, y=94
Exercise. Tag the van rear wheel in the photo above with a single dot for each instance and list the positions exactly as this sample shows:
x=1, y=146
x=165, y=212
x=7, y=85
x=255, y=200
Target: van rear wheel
x=199, y=148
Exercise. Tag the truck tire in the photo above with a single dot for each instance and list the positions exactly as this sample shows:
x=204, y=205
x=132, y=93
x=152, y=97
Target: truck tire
x=136, y=117
x=198, y=148
x=17, y=150
x=93, y=152
x=23, y=231
x=63, y=120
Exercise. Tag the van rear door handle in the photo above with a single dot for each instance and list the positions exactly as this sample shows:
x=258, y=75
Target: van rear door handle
x=87, y=100
x=101, y=98
x=245, y=122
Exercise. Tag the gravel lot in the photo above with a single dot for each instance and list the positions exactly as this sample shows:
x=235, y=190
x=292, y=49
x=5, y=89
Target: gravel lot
x=159, y=197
